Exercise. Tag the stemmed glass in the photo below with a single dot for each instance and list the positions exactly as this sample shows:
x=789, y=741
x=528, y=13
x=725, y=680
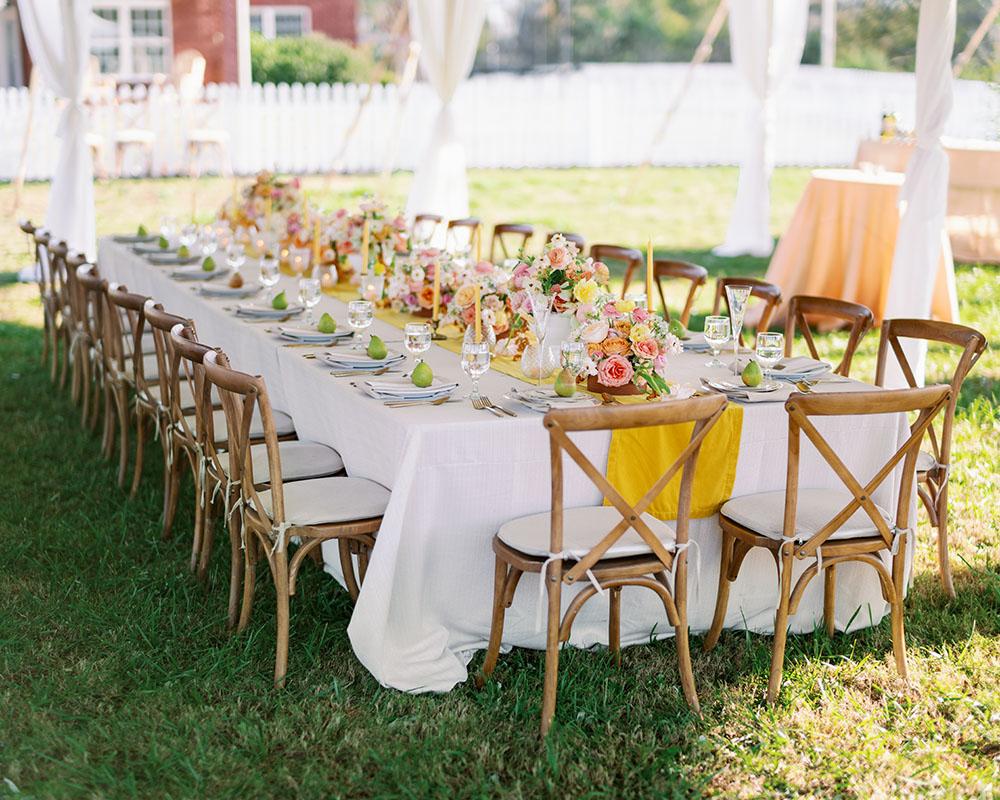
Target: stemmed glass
x=716, y=336
x=572, y=356
x=770, y=348
x=208, y=242
x=737, y=297
x=236, y=255
x=168, y=226
x=541, y=311
x=189, y=234
x=269, y=274
x=309, y=292
x=417, y=339
x=360, y=314
x=475, y=362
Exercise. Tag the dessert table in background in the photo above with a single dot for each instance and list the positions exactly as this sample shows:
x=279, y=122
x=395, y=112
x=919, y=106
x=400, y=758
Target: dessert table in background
x=456, y=474
x=841, y=240
x=973, y=221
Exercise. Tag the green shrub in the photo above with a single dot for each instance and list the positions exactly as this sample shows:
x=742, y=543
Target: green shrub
x=315, y=58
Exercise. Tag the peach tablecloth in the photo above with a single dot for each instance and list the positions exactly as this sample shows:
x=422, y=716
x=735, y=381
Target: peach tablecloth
x=840, y=242
x=973, y=220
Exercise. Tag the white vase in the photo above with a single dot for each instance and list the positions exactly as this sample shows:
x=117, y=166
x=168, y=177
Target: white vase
x=558, y=330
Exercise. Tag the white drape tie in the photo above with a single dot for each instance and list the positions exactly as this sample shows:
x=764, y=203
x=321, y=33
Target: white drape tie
x=678, y=549
x=202, y=473
x=897, y=534
x=562, y=556
x=279, y=532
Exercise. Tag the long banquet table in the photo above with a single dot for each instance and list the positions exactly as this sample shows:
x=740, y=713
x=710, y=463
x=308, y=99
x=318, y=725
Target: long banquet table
x=456, y=474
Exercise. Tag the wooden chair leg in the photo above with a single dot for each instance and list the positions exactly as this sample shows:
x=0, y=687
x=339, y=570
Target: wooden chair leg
x=780, y=625
x=68, y=356
x=207, y=538
x=554, y=586
x=235, y=526
x=199, y=522
x=140, y=433
x=496, y=625
x=944, y=561
x=347, y=567
x=615, y=624
x=281, y=648
x=249, y=581
x=54, y=366
x=896, y=608
x=108, y=429
x=829, y=598
x=363, y=555
x=171, y=490
x=684, y=660
x=722, y=598
x=46, y=324
x=121, y=407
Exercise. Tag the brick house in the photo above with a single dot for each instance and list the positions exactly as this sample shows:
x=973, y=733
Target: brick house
x=136, y=40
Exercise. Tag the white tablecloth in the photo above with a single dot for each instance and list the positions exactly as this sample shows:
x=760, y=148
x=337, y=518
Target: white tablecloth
x=457, y=474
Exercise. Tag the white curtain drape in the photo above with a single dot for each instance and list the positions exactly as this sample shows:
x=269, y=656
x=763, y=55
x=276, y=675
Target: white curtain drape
x=448, y=32
x=57, y=33
x=924, y=196
x=767, y=38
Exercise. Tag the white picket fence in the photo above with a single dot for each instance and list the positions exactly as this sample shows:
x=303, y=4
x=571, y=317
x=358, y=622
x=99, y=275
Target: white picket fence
x=595, y=116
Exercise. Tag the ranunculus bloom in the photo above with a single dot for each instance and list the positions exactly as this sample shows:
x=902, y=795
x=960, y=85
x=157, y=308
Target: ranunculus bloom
x=582, y=312
x=469, y=315
x=466, y=295
x=595, y=351
x=559, y=304
x=416, y=286
x=594, y=332
x=660, y=362
x=502, y=322
x=521, y=273
x=614, y=371
x=601, y=272
x=624, y=327
x=615, y=346
x=639, y=332
x=425, y=297
x=640, y=315
x=558, y=257
x=611, y=311
x=646, y=348
x=586, y=291
x=484, y=268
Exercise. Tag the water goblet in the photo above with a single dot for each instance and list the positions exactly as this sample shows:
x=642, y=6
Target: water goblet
x=269, y=274
x=716, y=336
x=208, y=242
x=770, y=348
x=737, y=297
x=188, y=235
x=309, y=294
x=168, y=226
x=639, y=298
x=475, y=362
x=360, y=314
x=572, y=352
x=417, y=339
x=236, y=255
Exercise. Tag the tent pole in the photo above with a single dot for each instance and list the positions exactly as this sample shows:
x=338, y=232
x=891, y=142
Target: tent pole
x=22, y=164
x=977, y=39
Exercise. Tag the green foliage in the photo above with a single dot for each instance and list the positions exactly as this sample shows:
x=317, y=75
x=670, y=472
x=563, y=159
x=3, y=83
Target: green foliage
x=315, y=58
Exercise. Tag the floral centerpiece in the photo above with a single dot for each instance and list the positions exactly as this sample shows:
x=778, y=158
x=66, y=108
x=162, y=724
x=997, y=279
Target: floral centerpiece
x=627, y=347
x=492, y=285
x=561, y=272
x=268, y=193
x=387, y=236
x=410, y=283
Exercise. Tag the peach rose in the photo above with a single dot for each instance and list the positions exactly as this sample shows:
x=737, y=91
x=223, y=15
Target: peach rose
x=595, y=351
x=601, y=272
x=646, y=348
x=615, y=371
x=425, y=297
x=594, y=332
x=558, y=257
x=624, y=327
x=466, y=295
x=615, y=346
x=469, y=315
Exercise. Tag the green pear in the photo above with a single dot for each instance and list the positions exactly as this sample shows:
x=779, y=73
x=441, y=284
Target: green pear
x=422, y=375
x=752, y=376
x=565, y=384
x=377, y=349
x=327, y=324
x=676, y=327
x=142, y=231
x=280, y=302
x=162, y=243
x=183, y=252
x=208, y=264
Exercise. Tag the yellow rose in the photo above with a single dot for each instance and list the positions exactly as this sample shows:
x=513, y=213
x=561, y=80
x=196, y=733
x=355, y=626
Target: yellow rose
x=586, y=291
x=623, y=326
x=624, y=306
x=640, y=332
x=466, y=295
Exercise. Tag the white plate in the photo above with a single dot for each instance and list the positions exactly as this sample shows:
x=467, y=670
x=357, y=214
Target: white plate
x=223, y=290
x=547, y=399
x=134, y=238
x=731, y=387
x=311, y=335
x=252, y=311
x=197, y=273
x=170, y=259
x=405, y=390
x=147, y=249
x=795, y=369
x=361, y=361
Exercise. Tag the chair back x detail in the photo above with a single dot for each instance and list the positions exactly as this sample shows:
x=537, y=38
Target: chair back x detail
x=802, y=306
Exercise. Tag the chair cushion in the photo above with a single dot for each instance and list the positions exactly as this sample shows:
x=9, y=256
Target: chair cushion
x=298, y=460
x=282, y=422
x=186, y=396
x=150, y=369
x=327, y=500
x=925, y=461
x=764, y=514
x=583, y=528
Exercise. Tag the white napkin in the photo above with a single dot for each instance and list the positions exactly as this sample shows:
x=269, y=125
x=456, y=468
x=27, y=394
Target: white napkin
x=696, y=343
x=223, y=290
x=406, y=390
x=799, y=367
x=311, y=335
x=267, y=312
x=197, y=273
x=734, y=390
x=546, y=399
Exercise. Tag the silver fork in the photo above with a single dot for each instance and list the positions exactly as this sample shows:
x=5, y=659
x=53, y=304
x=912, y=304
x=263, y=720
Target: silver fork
x=481, y=404
x=490, y=403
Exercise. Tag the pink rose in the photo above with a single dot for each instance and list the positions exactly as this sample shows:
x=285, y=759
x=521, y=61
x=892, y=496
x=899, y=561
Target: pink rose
x=584, y=310
x=640, y=315
x=594, y=332
x=558, y=257
x=660, y=362
x=601, y=272
x=611, y=311
x=647, y=348
x=484, y=268
x=521, y=272
x=615, y=371
x=519, y=300
x=416, y=286
x=469, y=314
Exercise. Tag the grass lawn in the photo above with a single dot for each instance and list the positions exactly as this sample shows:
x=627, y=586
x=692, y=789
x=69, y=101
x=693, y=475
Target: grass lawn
x=118, y=679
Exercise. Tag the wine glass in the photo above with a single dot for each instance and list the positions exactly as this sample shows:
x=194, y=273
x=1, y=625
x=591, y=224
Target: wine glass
x=168, y=226
x=360, y=314
x=309, y=292
x=639, y=298
x=716, y=336
x=208, y=242
x=541, y=311
x=236, y=255
x=487, y=334
x=572, y=352
x=737, y=297
x=189, y=234
x=770, y=348
x=267, y=243
x=417, y=339
x=475, y=362
x=269, y=274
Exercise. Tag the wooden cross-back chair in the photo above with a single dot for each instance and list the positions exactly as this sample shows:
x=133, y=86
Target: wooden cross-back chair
x=612, y=546
x=70, y=313
x=512, y=237
x=89, y=291
x=934, y=465
x=829, y=526
x=425, y=227
x=575, y=238
x=629, y=256
x=461, y=234
x=768, y=293
x=343, y=509
x=695, y=275
x=48, y=291
x=801, y=307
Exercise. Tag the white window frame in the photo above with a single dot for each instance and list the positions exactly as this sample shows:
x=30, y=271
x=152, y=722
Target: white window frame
x=11, y=57
x=268, y=13
x=126, y=41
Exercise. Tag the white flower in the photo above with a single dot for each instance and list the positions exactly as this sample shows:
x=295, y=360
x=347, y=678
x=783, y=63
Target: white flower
x=671, y=345
x=417, y=274
x=680, y=391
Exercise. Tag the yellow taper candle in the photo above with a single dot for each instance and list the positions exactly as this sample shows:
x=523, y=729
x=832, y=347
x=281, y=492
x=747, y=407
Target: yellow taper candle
x=437, y=292
x=479, y=246
x=649, y=275
x=305, y=211
x=236, y=195
x=267, y=213
x=194, y=202
x=479, y=318
x=364, y=248
x=316, y=244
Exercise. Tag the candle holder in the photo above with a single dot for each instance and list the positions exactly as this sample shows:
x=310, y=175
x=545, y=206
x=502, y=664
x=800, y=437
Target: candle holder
x=437, y=337
x=372, y=287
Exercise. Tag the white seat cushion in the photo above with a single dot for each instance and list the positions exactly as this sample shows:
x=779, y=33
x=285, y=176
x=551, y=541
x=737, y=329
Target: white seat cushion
x=298, y=460
x=150, y=369
x=325, y=500
x=186, y=396
x=925, y=461
x=583, y=528
x=282, y=422
x=764, y=513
